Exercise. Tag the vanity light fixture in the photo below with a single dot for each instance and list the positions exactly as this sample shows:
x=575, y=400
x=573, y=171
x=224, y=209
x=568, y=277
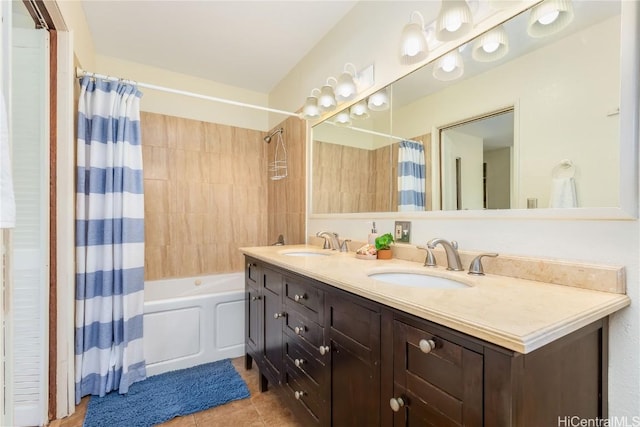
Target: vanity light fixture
x=342, y=119
x=413, y=41
x=359, y=110
x=454, y=20
x=346, y=87
x=491, y=45
x=449, y=67
x=311, y=110
x=549, y=17
x=327, y=99
x=379, y=101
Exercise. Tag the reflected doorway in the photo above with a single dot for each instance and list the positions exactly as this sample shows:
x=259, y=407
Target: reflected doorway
x=476, y=162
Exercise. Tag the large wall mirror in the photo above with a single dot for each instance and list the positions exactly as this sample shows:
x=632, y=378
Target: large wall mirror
x=536, y=128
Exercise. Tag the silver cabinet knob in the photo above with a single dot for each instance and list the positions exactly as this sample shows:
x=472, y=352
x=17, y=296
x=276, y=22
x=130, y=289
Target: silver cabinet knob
x=323, y=349
x=299, y=329
x=299, y=362
x=427, y=345
x=256, y=298
x=298, y=394
x=278, y=315
x=396, y=403
x=298, y=298
x=250, y=264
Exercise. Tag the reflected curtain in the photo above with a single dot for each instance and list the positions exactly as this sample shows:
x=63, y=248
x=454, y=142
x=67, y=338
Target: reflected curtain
x=109, y=239
x=411, y=176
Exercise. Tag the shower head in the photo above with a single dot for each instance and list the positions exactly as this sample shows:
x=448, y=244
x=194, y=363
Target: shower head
x=267, y=138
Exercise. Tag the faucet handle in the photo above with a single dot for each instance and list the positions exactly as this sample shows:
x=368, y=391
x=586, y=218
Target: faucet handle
x=454, y=244
x=343, y=246
x=430, y=260
x=475, y=268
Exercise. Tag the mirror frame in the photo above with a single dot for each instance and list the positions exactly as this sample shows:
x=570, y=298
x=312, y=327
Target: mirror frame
x=628, y=139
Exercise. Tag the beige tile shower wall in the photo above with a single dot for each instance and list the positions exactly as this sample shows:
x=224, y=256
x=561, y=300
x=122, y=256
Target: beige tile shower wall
x=286, y=197
x=339, y=185
x=205, y=195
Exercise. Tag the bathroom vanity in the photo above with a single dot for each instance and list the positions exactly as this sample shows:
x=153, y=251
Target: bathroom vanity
x=345, y=349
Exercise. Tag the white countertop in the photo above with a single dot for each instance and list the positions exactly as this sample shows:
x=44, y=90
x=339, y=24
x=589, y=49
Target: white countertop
x=521, y=315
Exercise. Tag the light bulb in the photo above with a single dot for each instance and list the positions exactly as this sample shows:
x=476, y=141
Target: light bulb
x=549, y=17
x=412, y=47
x=453, y=22
x=490, y=47
x=342, y=118
x=449, y=63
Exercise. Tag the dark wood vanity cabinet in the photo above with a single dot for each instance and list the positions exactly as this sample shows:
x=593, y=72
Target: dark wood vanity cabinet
x=343, y=360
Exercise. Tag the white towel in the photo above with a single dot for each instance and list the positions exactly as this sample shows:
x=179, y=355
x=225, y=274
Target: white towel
x=7, y=199
x=563, y=193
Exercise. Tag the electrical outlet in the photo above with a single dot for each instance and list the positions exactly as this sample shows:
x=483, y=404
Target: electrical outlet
x=398, y=234
x=402, y=231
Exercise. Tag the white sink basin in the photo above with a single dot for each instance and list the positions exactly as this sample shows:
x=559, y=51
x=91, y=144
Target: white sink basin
x=418, y=280
x=305, y=253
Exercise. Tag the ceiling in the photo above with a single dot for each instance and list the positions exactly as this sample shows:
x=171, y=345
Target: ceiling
x=247, y=44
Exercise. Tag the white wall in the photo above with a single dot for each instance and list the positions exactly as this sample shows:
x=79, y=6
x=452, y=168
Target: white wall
x=155, y=101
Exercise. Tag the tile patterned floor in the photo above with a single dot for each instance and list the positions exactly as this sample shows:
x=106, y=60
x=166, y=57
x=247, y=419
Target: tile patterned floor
x=259, y=410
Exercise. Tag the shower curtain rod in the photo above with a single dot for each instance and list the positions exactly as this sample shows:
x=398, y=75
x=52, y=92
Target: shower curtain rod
x=82, y=73
x=372, y=132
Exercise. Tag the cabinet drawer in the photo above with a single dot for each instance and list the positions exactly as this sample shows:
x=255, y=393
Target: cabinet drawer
x=308, y=394
x=252, y=273
x=302, y=357
x=305, y=298
x=305, y=329
x=448, y=377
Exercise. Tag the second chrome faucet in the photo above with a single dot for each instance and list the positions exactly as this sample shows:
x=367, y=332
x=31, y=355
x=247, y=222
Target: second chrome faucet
x=451, y=249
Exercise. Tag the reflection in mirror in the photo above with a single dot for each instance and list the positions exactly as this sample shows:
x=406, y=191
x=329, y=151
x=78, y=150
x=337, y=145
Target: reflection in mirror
x=476, y=163
x=353, y=164
x=564, y=92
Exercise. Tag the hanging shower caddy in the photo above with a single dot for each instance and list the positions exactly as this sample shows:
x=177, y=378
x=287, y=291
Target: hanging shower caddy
x=278, y=167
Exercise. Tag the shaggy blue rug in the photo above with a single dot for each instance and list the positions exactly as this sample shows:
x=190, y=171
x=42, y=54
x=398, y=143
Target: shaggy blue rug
x=162, y=397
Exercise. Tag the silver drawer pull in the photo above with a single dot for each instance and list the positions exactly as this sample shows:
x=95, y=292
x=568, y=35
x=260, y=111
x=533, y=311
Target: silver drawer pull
x=427, y=345
x=396, y=403
x=299, y=329
x=299, y=362
x=298, y=394
x=278, y=315
x=323, y=349
x=255, y=298
x=299, y=298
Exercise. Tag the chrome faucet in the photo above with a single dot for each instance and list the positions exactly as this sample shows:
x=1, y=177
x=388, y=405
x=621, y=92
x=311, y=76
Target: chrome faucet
x=451, y=249
x=330, y=240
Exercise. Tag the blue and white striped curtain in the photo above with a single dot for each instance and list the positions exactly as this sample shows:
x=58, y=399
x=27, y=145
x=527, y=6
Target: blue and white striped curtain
x=411, y=176
x=109, y=239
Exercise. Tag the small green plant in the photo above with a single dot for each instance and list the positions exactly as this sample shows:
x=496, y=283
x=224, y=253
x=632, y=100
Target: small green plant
x=384, y=241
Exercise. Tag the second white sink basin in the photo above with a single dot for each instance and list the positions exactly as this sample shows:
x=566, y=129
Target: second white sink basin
x=418, y=280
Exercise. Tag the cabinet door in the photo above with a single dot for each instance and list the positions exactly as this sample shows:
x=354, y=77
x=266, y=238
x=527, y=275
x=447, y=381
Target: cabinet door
x=436, y=382
x=252, y=321
x=354, y=333
x=273, y=316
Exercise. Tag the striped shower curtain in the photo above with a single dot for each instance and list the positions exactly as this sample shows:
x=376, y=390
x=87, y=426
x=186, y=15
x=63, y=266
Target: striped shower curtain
x=411, y=176
x=109, y=239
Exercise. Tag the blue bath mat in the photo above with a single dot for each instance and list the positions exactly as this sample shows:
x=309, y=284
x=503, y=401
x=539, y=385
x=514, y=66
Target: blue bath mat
x=162, y=397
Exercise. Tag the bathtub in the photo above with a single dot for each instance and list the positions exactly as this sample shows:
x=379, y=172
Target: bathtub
x=191, y=321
